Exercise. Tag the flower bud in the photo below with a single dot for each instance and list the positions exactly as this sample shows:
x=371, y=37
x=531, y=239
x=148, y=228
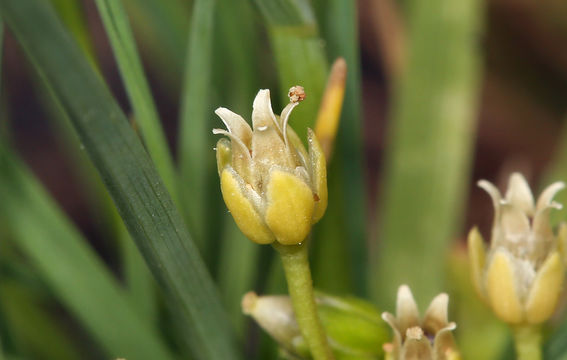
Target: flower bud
x=274, y=188
x=353, y=326
x=522, y=275
x=429, y=338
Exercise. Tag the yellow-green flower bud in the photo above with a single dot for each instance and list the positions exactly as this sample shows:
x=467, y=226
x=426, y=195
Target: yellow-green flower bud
x=522, y=275
x=353, y=326
x=429, y=338
x=274, y=188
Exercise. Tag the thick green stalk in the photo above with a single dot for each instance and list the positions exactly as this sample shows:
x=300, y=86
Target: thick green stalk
x=527, y=341
x=300, y=286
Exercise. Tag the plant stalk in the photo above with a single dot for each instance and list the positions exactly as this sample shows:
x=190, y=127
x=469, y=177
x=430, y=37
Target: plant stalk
x=300, y=286
x=527, y=341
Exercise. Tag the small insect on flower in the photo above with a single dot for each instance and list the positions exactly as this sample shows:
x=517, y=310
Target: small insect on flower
x=274, y=188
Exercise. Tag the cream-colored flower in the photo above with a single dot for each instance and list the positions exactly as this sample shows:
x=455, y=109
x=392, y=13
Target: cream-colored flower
x=522, y=275
x=274, y=189
x=420, y=339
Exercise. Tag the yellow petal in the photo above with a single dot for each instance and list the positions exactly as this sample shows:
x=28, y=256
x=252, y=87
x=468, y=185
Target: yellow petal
x=290, y=207
x=477, y=258
x=242, y=209
x=318, y=175
x=224, y=154
x=545, y=291
x=501, y=289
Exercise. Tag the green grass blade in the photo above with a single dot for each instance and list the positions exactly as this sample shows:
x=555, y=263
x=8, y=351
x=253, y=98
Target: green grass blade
x=195, y=144
x=71, y=268
x=299, y=55
x=123, y=44
x=1, y=51
x=73, y=16
x=555, y=347
x=238, y=257
x=163, y=26
x=137, y=277
x=39, y=334
x=126, y=169
x=238, y=268
x=429, y=154
x=346, y=167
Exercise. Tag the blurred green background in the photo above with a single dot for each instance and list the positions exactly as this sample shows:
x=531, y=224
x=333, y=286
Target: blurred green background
x=439, y=95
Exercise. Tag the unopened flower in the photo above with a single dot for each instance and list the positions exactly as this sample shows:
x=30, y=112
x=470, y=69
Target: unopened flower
x=353, y=326
x=522, y=275
x=274, y=188
x=427, y=338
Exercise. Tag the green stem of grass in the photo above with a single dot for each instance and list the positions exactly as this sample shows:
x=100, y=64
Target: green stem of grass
x=300, y=286
x=527, y=341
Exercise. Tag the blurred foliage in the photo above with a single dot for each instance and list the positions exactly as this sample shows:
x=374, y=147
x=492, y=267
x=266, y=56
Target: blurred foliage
x=476, y=90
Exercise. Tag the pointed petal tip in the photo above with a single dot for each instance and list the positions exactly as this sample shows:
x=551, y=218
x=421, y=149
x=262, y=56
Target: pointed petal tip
x=547, y=195
x=451, y=326
x=220, y=110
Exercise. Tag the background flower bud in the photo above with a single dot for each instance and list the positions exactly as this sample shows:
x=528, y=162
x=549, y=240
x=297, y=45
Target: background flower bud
x=522, y=275
x=353, y=326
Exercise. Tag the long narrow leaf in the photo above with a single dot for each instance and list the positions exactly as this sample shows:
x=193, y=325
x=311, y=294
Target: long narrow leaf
x=71, y=268
x=163, y=26
x=38, y=332
x=1, y=51
x=195, y=132
x=346, y=168
x=299, y=54
x=238, y=260
x=137, y=276
x=556, y=348
x=429, y=154
x=123, y=44
x=73, y=16
x=133, y=182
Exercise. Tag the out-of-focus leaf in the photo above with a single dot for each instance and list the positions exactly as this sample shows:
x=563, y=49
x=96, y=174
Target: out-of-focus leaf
x=429, y=152
x=125, y=50
x=195, y=137
x=300, y=59
x=163, y=27
x=237, y=63
x=70, y=267
x=73, y=16
x=348, y=221
x=39, y=333
x=126, y=169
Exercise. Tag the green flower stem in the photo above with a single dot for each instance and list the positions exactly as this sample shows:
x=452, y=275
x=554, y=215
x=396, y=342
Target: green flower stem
x=527, y=341
x=300, y=286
